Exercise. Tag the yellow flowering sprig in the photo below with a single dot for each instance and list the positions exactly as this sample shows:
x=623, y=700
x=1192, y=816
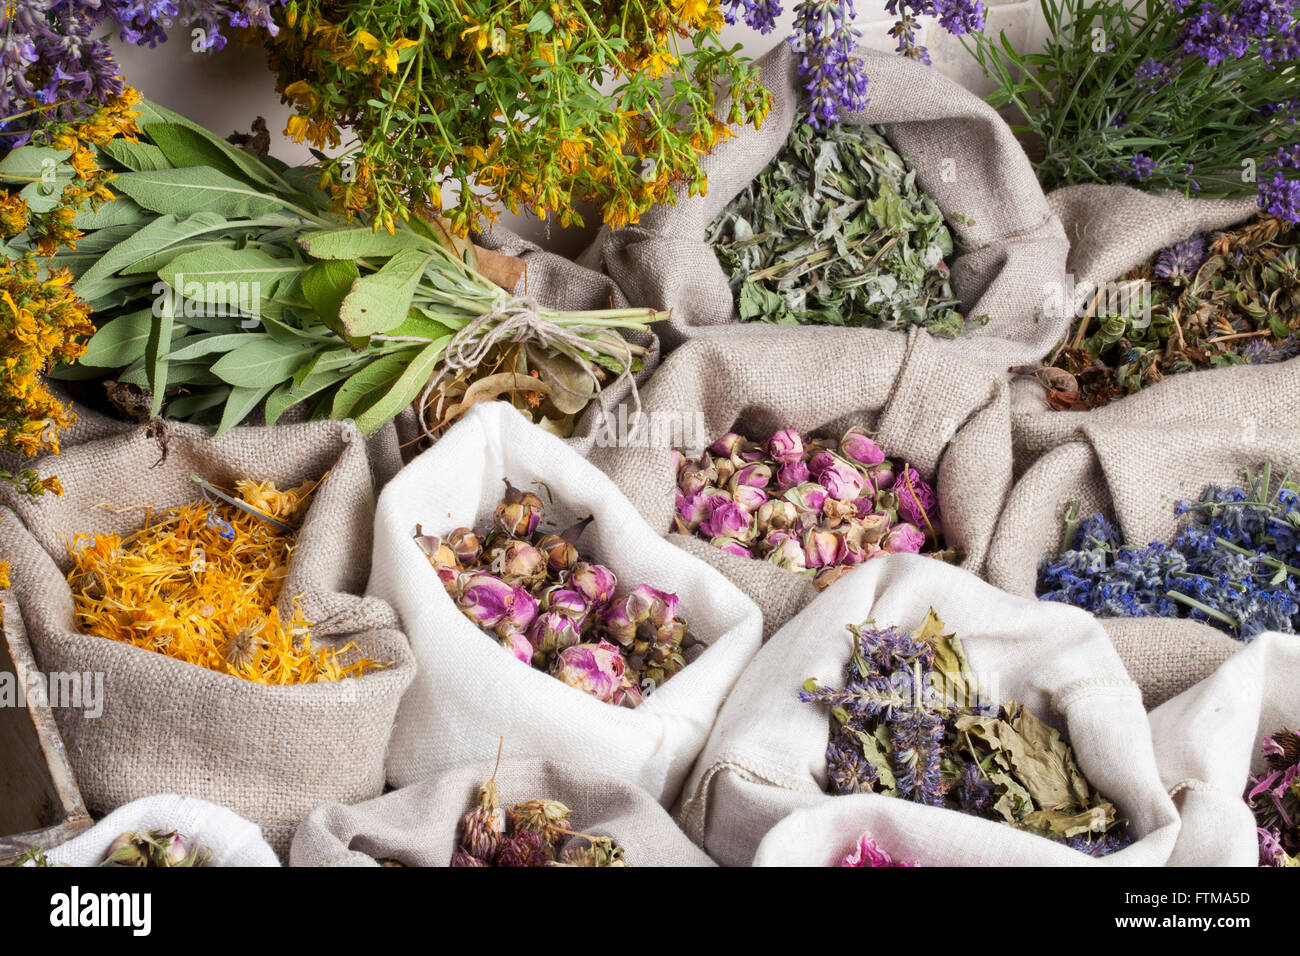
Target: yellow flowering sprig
x=200, y=584
x=464, y=106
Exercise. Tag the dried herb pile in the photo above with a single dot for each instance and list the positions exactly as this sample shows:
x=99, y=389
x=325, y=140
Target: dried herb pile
x=813, y=505
x=1230, y=298
x=1274, y=796
x=835, y=231
x=200, y=584
x=557, y=611
x=534, y=833
x=910, y=723
x=1234, y=566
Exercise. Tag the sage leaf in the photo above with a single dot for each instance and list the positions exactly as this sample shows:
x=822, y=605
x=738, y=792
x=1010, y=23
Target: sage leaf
x=380, y=301
x=32, y=162
x=210, y=275
x=325, y=285
x=156, y=348
x=187, y=146
x=404, y=390
x=359, y=243
x=196, y=189
x=120, y=341
x=137, y=157
x=368, y=384
x=239, y=403
x=121, y=211
x=185, y=406
x=262, y=360
x=158, y=234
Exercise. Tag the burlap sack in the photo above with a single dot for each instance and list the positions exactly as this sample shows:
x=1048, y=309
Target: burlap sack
x=1207, y=740
x=765, y=759
x=227, y=839
x=1113, y=229
x=947, y=417
x=1136, y=473
x=270, y=754
x=419, y=825
x=1009, y=241
x=468, y=691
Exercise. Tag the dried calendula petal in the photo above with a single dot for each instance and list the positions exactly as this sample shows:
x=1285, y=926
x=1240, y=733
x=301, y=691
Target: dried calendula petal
x=200, y=584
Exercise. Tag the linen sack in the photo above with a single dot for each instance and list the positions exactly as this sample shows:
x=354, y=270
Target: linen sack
x=1113, y=229
x=948, y=418
x=269, y=753
x=468, y=691
x=227, y=838
x=1010, y=244
x=1207, y=740
x=419, y=825
x=1136, y=474
x=766, y=757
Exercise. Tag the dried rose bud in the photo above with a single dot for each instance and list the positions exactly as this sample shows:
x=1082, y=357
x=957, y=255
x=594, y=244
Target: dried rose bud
x=173, y=849
x=820, y=548
x=519, y=512
x=595, y=582
x=872, y=527
x=561, y=553
x=519, y=563
x=522, y=613
x=618, y=622
x=840, y=479
x=916, y=499
x=518, y=645
x=564, y=600
x=523, y=848
x=128, y=849
x=749, y=498
x=678, y=460
x=855, y=445
x=776, y=515
x=597, y=669
x=904, y=538
x=755, y=476
x=727, y=445
x=786, y=551
x=785, y=446
x=724, y=468
x=882, y=476
x=484, y=598
x=551, y=633
x=651, y=604
x=689, y=511
x=807, y=496
x=697, y=476
x=726, y=519
x=463, y=858
x=791, y=474
x=836, y=512
x=732, y=546
x=829, y=575
x=466, y=545
x=442, y=557
x=550, y=818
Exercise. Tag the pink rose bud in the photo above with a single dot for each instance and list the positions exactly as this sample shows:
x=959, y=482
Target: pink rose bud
x=857, y=446
x=441, y=556
x=726, y=519
x=484, y=598
x=519, y=512
x=865, y=505
x=518, y=562
x=749, y=498
x=776, y=514
x=829, y=575
x=727, y=445
x=467, y=546
x=651, y=604
x=678, y=461
x=619, y=622
x=518, y=645
x=564, y=600
x=785, y=446
x=597, y=669
x=754, y=476
x=692, y=509
x=594, y=582
x=916, y=499
x=808, y=496
x=523, y=611
x=819, y=461
x=904, y=538
x=882, y=476
x=791, y=474
x=820, y=548
x=551, y=633
x=841, y=480
x=786, y=552
x=732, y=546
x=748, y=451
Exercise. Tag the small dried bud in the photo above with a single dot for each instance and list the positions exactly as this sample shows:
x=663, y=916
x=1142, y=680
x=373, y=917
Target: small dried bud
x=754, y=476
x=519, y=563
x=559, y=548
x=749, y=499
x=523, y=848
x=855, y=445
x=484, y=598
x=786, y=551
x=550, y=818
x=482, y=828
x=551, y=633
x=466, y=545
x=463, y=858
x=727, y=445
x=696, y=476
x=595, y=582
x=519, y=512
x=836, y=512
x=592, y=851
x=785, y=446
x=904, y=538
x=518, y=645
x=821, y=548
x=564, y=600
x=791, y=474
x=829, y=575
x=732, y=546
x=521, y=613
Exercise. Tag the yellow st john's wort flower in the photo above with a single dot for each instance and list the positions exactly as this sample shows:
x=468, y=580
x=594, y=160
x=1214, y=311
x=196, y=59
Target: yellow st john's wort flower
x=381, y=52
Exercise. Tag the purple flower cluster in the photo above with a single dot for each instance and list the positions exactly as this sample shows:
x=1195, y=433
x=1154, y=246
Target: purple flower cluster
x=814, y=506
x=1140, y=167
x=1280, y=195
x=552, y=609
x=1181, y=260
x=1274, y=796
x=825, y=38
x=50, y=55
x=1233, y=566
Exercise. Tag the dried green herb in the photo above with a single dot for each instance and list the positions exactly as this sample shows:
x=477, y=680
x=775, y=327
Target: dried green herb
x=1232, y=298
x=835, y=231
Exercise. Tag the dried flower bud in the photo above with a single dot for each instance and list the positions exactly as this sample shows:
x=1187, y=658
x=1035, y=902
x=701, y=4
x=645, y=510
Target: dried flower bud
x=696, y=476
x=726, y=519
x=597, y=669
x=727, y=445
x=523, y=848
x=519, y=563
x=756, y=475
x=592, y=851
x=785, y=551
x=724, y=468
x=785, y=446
x=791, y=474
x=776, y=515
x=856, y=446
x=173, y=849
x=466, y=545
x=463, y=858
x=127, y=849
x=595, y=582
x=836, y=512
x=829, y=575
x=561, y=553
x=522, y=613
x=904, y=538
x=484, y=598
x=650, y=604
x=916, y=499
x=820, y=548
x=518, y=645
x=551, y=633
x=440, y=555
x=748, y=451
x=690, y=510
x=732, y=546
x=749, y=499
x=483, y=827
x=807, y=496
x=840, y=479
x=564, y=600
x=550, y=818
x=519, y=512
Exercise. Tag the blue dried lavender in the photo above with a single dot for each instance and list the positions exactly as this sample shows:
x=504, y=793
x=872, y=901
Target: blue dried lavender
x=1235, y=564
x=1181, y=260
x=917, y=739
